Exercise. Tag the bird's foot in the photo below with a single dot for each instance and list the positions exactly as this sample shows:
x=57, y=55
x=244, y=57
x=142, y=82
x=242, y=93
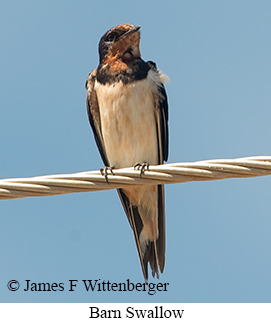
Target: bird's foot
x=104, y=171
x=142, y=167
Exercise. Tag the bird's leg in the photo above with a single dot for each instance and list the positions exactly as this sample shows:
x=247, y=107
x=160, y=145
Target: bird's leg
x=142, y=167
x=104, y=171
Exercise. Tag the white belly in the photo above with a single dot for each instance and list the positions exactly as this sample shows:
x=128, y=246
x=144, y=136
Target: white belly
x=128, y=122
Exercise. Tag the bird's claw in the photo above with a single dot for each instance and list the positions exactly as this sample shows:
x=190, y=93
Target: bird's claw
x=142, y=167
x=104, y=171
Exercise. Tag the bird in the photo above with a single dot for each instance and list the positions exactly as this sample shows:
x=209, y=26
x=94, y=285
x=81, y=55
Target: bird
x=127, y=108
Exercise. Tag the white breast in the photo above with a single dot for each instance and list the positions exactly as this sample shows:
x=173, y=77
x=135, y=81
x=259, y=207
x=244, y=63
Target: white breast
x=128, y=121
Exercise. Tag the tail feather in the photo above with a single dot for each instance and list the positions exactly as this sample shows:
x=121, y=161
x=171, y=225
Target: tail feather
x=152, y=252
x=161, y=242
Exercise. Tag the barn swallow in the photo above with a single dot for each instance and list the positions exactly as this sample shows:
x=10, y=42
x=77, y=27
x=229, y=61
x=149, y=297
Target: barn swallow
x=128, y=112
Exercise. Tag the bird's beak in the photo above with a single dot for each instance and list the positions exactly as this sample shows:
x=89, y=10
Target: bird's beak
x=129, y=32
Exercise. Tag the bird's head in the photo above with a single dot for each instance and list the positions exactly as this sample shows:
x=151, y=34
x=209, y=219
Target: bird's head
x=120, y=43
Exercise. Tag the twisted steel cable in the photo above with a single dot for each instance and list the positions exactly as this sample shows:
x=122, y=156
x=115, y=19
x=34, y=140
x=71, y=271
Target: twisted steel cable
x=89, y=181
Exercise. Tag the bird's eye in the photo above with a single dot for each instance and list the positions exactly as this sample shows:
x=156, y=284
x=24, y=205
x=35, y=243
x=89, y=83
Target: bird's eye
x=110, y=37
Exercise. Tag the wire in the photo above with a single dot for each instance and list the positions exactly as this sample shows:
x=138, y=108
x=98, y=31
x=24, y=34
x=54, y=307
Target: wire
x=156, y=174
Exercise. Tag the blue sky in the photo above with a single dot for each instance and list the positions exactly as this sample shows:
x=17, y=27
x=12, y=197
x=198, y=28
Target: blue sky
x=217, y=55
